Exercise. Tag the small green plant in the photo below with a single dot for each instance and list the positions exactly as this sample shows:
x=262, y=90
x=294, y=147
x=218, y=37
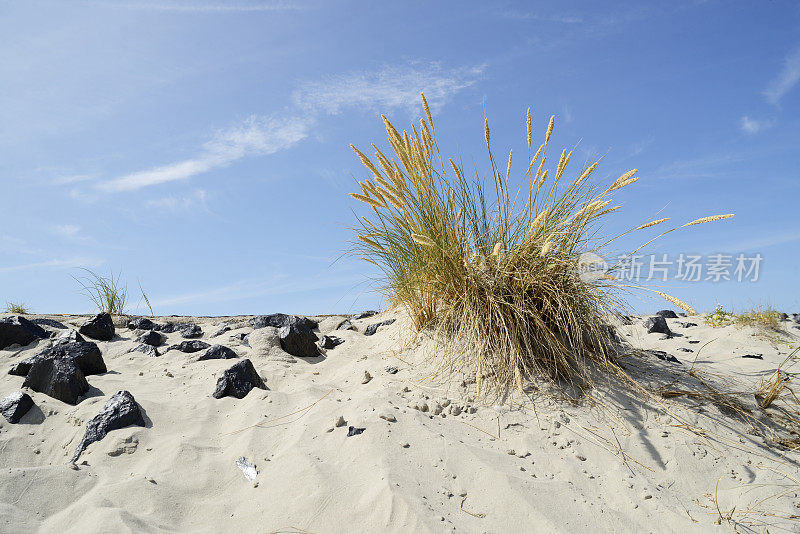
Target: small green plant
x=719, y=317
x=17, y=308
x=108, y=294
x=764, y=317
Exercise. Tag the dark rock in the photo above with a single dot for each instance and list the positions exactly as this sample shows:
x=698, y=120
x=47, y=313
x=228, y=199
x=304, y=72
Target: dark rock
x=365, y=314
x=15, y=406
x=220, y=331
x=392, y=370
x=146, y=349
x=299, y=340
x=244, y=339
x=626, y=320
x=353, y=431
x=100, y=327
x=279, y=320
x=238, y=380
x=658, y=325
x=754, y=356
x=190, y=346
x=795, y=317
x=85, y=354
x=329, y=342
x=69, y=336
x=18, y=330
x=346, y=325
x=152, y=338
x=694, y=342
x=59, y=378
x=784, y=316
x=667, y=314
x=687, y=325
x=52, y=323
x=142, y=323
x=684, y=349
x=190, y=331
x=661, y=355
x=218, y=352
x=371, y=329
x=119, y=411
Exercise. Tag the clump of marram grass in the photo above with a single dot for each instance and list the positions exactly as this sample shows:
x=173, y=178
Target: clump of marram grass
x=759, y=317
x=17, y=308
x=107, y=293
x=494, y=272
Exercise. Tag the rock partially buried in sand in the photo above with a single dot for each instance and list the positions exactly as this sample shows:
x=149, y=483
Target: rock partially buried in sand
x=279, y=320
x=365, y=314
x=85, y=354
x=100, y=327
x=371, y=329
x=20, y=331
x=299, y=340
x=190, y=346
x=190, y=331
x=152, y=338
x=238, y=380
x=68, y=336
x=353, y=431
x=142, y=323
x=661, y=355
x=15, y=406
x=753, y=356
x=657, y=325
x=346, y=325
x=59, y=378
x=667, y=314
x=218, y=352
x=330, y=342
x=119, y=411
x=366, y=378
x=146, y=349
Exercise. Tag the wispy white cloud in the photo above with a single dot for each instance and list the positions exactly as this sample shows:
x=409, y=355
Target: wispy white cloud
x=389, y=87
x=768, y=239
x=179, y=202
x=73, y=179
x=66, y=230
x=255, y=136
x=786, y=79
x=205, y=7
x=64, y=263
x=753, y=126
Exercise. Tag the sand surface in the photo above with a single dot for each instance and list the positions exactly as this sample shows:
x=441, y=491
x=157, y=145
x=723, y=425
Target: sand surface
x=431, y=458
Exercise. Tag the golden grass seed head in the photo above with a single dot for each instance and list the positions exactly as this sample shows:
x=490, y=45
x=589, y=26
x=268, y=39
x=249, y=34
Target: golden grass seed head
x=712, y=218
x=508, y=167
x=486, y=131
x=423, y=240
x=550, y=129
x=529, y=126
x=427, y=110
x=651, y=223
x=677, y=302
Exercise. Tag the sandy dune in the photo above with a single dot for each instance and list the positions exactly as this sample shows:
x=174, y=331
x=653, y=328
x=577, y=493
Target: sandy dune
x=431, y=458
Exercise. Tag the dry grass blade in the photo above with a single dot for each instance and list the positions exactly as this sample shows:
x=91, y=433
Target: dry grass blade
x=652, y=223
x=712, y=218
x=107, y=294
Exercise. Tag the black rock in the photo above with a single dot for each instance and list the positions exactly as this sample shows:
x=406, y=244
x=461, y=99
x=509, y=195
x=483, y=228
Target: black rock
x=371, y=329
x=661, y=355
x=687, y=325
x=100, y=327
x=626, y=320
x=238, y=380
x=244, y=339
x=684, y=349
x=19, y=330
x=784, y=316
x=119, y=411
x=220, y=331
x=190, y=331
x=142, y=323
x=365, y=314
x=694, y=342
x=169, y=328
x=85, y=354
x=69, y=336
x=152, y=338
x=667, y=314
x=15, y=406
x=190, y=346
x=299, y=340
x=353, y=431
x=146, y=349
x=795, y=317
x=218, y=352
x=392, y=370
x=346, y=325
x=52, y=323
x=658, y=325
x=754, y=356
x=59, y=378
x=329, y=342
x=279, y=320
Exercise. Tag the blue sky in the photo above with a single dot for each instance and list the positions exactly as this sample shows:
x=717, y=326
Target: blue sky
x=202, y=147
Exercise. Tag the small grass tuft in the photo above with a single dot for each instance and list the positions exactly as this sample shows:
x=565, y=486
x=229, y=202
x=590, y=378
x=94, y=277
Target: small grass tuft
x=757, y=317
x=107, y=293
x=17, y=308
